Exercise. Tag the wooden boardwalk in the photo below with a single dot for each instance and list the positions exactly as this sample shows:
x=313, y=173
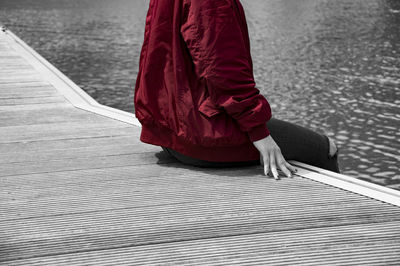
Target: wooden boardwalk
x=78, y=188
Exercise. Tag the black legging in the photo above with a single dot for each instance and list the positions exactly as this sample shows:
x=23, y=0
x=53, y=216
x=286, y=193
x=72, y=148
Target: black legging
x=296, y=143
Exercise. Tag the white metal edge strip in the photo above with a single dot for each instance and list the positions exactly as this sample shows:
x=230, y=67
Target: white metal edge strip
x=82, y=100
x=348, y=183
x=72, y=92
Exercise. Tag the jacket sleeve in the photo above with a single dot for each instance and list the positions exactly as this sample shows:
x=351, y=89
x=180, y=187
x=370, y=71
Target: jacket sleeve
x=216, y=39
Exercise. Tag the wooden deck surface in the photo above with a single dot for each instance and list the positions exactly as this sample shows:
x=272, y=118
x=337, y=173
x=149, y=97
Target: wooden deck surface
x=78, y=188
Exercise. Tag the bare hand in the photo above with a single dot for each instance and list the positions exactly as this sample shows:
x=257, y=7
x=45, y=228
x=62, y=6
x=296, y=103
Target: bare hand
x=271, y=157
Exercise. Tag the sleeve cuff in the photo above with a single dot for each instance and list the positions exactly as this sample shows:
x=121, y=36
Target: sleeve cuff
x=258, y=132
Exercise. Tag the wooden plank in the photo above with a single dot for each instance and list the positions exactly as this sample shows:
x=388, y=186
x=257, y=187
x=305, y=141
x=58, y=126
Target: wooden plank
x=27, y=70
x=13, y=61
x=5, y=50
x=17, y=74
x=78, y=163
x=31, y=94
x=27, y=78
x=10, y=55
x=42, y=105
x=20, y=75
x=64, y=144
x=26, y=88
x=96, y=123
x=50, y=116
x=29, y=101
x=38, y=93
x=346, y=245
x=26, y=85
x=59, y=131
x=16, y=67
x=109, y=149
x=20, y=81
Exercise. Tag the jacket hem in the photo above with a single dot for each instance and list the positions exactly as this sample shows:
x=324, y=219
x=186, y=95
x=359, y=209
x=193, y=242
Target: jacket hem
x=162, y=136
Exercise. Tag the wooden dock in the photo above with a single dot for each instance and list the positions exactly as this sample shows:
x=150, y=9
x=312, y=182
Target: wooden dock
x=78, y=188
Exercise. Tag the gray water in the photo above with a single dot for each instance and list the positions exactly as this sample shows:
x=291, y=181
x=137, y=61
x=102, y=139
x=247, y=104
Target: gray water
x=333, y=66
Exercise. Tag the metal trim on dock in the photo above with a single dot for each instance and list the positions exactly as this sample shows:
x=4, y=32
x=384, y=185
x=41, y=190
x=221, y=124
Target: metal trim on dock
x=80, y=99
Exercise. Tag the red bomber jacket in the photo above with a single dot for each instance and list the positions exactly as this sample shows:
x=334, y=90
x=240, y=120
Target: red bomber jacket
x=195, y=91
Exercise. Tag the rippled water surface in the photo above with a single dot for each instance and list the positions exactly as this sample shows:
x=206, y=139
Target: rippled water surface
x=333, y=66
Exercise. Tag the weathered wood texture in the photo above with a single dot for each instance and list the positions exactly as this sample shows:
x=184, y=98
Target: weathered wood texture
x=80, y=189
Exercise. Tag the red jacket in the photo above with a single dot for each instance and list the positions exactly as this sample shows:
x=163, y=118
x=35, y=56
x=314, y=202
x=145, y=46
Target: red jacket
x=195, y=91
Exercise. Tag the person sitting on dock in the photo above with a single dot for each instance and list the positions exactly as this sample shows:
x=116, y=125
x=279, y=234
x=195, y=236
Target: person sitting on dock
x=195, y=94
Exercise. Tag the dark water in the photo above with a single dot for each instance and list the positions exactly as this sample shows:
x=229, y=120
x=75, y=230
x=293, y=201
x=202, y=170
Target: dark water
x=333, y=66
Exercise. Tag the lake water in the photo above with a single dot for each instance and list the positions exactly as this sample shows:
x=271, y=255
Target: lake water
x=333, y=66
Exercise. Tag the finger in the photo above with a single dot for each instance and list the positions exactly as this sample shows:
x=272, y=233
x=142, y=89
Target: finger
x=282, y=164
x=266, y=165
x=261, y=159
x=284, y=169
x=273, y=166
x=290, y=167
